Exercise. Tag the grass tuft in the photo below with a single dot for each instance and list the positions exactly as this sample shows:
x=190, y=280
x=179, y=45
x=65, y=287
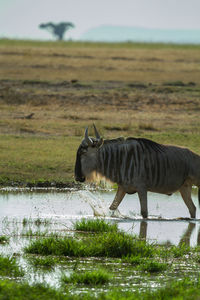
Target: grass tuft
x=187, y=288
x=119, y=244
x=56, y=246
x=4, y=239
x=97, y=277
x=44, y=262
x=184, y=289
x=175, y=83
x=9, y=267
x=95, y=226
x=24, y=291
x=110, y=244
x=31, y=233
x=180, y=251
x=147, y=126
x=133, y=259
x=39, y=222
x=145, y=264
x=151, y=266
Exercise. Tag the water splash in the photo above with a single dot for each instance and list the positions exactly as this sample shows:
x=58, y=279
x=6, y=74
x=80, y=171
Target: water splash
x=99, y=207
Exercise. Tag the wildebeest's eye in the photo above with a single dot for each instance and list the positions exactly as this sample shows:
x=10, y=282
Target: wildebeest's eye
x=83, y=150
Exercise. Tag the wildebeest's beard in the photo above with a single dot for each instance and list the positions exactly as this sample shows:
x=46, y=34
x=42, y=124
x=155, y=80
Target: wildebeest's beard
x=78, y=170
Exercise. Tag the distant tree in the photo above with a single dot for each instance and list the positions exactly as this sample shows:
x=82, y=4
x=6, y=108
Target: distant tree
x=58, y=30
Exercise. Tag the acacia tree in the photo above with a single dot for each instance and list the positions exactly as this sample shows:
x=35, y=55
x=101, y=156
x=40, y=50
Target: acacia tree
x=58, y=30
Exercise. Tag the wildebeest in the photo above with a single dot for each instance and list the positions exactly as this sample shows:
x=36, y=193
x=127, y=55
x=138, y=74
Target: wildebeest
x=139, y=165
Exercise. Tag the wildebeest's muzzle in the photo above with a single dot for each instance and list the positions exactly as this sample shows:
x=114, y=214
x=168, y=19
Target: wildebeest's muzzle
x=80, y=179
x=78, y=170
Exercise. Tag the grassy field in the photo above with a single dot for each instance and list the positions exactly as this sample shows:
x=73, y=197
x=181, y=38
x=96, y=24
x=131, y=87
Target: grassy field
x=92, y=264
x=50, y=91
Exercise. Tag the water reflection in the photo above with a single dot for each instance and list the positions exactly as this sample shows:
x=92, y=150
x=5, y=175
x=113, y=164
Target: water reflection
x=143, y=230
x=184, y=239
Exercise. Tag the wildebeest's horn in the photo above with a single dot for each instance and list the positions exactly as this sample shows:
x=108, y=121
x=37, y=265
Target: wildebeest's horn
x=96, y=133
x=99, y=139
x=87, y=139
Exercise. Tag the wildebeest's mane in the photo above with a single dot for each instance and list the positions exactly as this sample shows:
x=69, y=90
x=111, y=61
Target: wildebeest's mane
x=119, y=140
x=149, y=144
x=145, y=143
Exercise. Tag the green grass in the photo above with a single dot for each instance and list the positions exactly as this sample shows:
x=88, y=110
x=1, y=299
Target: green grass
x=96, y=277
x=31, y=233
x=37, y=222
x=36, y=160
x=43, y=262
x=197, y=258
x=180, y=251
x=57, y=246
x=134, y=260
x=10, y=290
x=41, y=150
x=151, y=266
x=145, y=264
x=110, y=244
x=4, y=239
x=9, y=267
x=82, y=44
x=119, y=244
x=185, y=289
x=40, y=161
x=98, y=225
x=107, y=241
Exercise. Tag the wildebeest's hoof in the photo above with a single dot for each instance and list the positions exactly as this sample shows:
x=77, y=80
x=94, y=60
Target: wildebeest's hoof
x=115, y=213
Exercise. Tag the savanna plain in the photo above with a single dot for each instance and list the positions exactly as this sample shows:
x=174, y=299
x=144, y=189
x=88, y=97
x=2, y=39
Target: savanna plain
x=49, y=93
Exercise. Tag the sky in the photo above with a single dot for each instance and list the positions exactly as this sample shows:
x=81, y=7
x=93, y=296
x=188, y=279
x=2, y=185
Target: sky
x=20, y=18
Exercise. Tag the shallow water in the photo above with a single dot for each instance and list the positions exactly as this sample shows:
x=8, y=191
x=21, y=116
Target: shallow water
x=56, y=211
x=62, y=209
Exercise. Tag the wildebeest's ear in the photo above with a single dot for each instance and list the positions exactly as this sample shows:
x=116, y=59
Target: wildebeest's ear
x=100, y=142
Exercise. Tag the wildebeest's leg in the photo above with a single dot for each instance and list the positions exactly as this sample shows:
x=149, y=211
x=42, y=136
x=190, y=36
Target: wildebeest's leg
x=143, y=202
x=185, y=191
x=118, y=198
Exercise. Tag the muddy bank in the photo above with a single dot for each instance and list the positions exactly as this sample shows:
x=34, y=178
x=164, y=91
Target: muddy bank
x=42, y=184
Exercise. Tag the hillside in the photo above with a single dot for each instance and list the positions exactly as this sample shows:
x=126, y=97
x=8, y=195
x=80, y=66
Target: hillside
x=124, y=33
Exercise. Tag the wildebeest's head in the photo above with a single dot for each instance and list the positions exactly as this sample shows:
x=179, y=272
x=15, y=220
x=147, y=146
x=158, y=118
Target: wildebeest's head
x=86, y=157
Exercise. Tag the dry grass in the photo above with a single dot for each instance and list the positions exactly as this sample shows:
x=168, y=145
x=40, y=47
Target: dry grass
x=125, y=89
x=110, y=62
